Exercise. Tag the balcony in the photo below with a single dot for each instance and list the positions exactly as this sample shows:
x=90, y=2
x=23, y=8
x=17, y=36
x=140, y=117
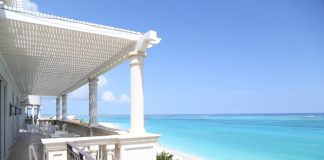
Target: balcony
x=79, y=141
x=46, y=55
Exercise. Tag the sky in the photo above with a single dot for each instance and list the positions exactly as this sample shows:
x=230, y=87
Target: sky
x=215, y=57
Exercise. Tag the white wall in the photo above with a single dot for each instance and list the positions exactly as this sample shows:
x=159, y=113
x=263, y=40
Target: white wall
x=9, y=124
x=2, y=117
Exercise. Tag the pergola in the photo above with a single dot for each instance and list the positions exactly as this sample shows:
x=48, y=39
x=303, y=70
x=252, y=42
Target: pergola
x=52, y=56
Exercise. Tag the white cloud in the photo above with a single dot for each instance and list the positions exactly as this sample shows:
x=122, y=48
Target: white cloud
x=108, y=96
x=124, y=98
x=48, y=99
x=30, y=6
x=103, y=81
x=81, y=93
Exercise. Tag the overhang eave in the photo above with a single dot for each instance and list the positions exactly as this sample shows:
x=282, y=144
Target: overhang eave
x=66, y=23
x=41, y=44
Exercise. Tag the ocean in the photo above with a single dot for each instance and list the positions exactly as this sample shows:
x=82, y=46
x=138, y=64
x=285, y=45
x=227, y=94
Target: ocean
x=236, y=137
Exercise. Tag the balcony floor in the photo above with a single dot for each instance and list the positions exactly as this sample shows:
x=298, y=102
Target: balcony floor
x=20, y=150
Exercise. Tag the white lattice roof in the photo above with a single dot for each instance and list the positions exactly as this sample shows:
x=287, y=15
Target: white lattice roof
x=49, y=55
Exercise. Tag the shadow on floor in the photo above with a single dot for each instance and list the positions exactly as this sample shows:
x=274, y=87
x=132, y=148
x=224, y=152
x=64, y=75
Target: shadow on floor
x=20, y=150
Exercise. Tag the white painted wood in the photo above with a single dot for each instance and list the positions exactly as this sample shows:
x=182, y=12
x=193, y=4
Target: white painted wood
x=2, y=116
x=33, y=45
x=58, y=106
x=33, y=114
x=38, y=49
x=136, y=93
x=38, y=113
x=142, y=151
x=19, y=4
x=47, y=55
x=69, y=24
x=128, y=146
x=93, y=85
x=147, y=41
x=64, y=107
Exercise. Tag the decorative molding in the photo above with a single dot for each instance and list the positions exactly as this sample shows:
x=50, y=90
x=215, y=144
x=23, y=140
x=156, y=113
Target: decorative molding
x=48, y=16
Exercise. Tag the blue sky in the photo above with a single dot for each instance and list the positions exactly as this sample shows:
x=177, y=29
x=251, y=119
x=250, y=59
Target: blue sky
x=233, y=56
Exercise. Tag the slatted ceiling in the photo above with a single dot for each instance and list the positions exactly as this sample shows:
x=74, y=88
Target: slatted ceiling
x=46, y=60
x=14, y=3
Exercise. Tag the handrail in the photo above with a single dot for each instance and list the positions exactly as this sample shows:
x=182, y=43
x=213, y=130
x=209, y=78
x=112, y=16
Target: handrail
x=75, y=153
x=100, y=146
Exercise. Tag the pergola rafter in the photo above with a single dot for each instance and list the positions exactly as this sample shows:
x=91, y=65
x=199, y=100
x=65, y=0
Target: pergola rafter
x=53, y=56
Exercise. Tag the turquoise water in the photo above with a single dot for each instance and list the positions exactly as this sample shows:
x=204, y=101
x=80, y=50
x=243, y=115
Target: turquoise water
x=233, y=137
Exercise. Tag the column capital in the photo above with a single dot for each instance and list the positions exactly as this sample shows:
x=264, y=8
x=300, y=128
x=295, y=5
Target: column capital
x=136, y=59
x=64, y=95
x=93, y=81
x=136, y=53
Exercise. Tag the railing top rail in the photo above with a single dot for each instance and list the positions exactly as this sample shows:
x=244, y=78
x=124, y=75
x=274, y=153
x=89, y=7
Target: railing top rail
x=80, y=124
x=103, y=139
x=83, y=155
x=54, y=143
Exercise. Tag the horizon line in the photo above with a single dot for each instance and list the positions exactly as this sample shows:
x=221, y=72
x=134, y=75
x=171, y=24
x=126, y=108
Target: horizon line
x=152, y=114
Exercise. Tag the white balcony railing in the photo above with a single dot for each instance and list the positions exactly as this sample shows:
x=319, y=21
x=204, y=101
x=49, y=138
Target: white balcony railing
x=97, y=142
x=75, y=153
x=114, y=147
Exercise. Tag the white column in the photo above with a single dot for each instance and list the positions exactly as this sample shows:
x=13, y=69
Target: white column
x=33, y=115
x=93, y=84
x=58, y=108
x=136, y=93
x=39, y=112
x=64, y=107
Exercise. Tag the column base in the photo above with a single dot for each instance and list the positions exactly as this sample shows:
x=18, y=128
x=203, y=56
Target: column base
x=136, y=131
x=93, y=124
